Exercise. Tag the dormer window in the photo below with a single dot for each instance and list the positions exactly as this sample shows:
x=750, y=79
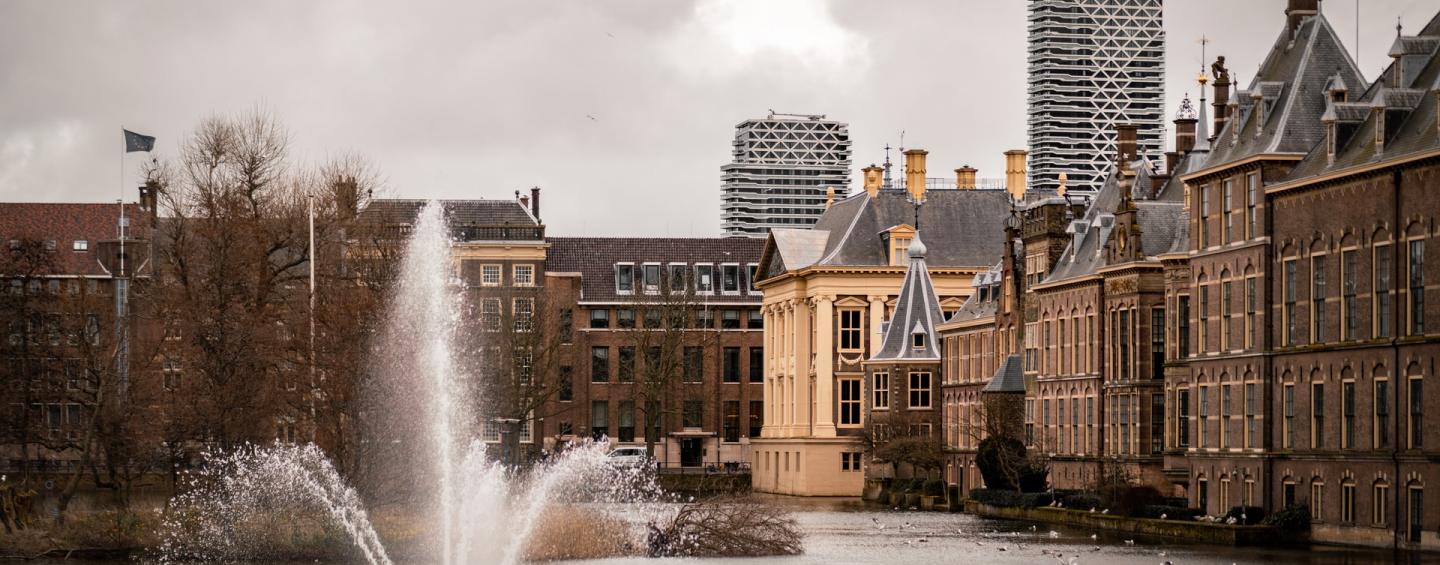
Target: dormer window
x=1379, y=129
x=624, y=278
x=704, y=278
x=898, y=247
x=651, y=273
x=1330, y=141
x=917, y=340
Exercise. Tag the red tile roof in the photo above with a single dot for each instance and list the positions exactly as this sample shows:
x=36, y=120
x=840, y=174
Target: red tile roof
x=66, y=223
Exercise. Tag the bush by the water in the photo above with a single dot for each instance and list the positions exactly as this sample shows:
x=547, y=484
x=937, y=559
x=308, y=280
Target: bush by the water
x=726, y=528
x=1003, y=465
x=1129, y=500
x=1245, y=515
x=1081, y=501
x=1292, y=520
x=1036, y=499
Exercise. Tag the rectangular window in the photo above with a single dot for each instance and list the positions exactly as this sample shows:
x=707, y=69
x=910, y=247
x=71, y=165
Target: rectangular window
x=757, y=365
x=849, y=402
x=1123, y=332
x=1347, y=415
x=1416, y=292
x=1417, y=420
x=1347, y=503
x=1382, y=291
x=599, y=418
x=729, y=319
x=567, y=325
x=1157, y=344
x=850, y=330
x=490, y=316
x=919, y=389
x=1183, y=321
x=1317, y=299
x=625, y=318
x=1227, y=214
x=1287, y=435
x=650, y=273
x=757, y=417
x=1204, y=234
x=730, y=279
x=600, y=318
x=1224, y=416
x=750, y=270
x=1251, y=307
x=693, y=364
x=1157, y=424
x=1252, y=199
x=1380, y=498
x=524, y=314
x=1317, y=501
x=524, y=275
x=1317, y=415
x=755, y=320
x=566, y=387
x=1382, y=413
x=1089, y=423
x=627, y=421
x=1350, y=305
x=730, y=421
x=626, y=371
x=881, y=390
x=704, y=279
x=1252, y=428
x=599, y=364
x=1290, y=298
x=676, y=277
x=624, y=278
x=730, y=364
x=1204, y=318
x=1204, y=413
x=490, y=275
x=1226, y=306
x=1182, y=426
x=694, y=414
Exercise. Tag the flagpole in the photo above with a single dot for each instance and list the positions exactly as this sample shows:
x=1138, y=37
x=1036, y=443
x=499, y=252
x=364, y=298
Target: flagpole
x=313, y=422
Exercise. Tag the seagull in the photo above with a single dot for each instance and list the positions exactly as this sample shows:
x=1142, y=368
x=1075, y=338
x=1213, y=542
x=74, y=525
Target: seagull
x=1162, y=554
x=1163, y=516
x=1129, y=542
x=1094, y=536
x=592, y=117
x=923, y=540
x=1105, y=511
x=1054, y=534
x=610, y=35
x=1230, y=520
x=1032, y=527
x=1002, y=548
x=1092, y=510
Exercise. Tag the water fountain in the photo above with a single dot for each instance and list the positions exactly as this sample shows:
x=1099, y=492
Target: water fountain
x=479, y=510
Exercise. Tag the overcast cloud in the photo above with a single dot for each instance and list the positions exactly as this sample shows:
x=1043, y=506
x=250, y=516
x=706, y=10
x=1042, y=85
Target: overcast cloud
x=622, y=111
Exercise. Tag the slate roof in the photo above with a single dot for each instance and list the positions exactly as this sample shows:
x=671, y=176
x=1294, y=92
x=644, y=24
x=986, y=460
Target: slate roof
x=1294, y=75
x=458, y=212
x=974, y=308
x=964, y=228
x=917, y=311
x=1009, y=376
x=1415, y=100
x=67, y=222
x=594, y=258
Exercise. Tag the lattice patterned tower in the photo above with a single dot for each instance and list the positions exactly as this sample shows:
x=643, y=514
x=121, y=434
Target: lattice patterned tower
x=1093, y=64
x=779, y=172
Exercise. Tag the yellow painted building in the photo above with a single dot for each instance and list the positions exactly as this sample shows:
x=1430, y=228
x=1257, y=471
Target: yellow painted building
x=828, y=293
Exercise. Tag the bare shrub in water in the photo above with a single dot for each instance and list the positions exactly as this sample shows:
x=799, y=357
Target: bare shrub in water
x=726, y=528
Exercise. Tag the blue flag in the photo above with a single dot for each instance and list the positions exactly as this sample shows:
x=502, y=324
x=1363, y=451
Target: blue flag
x=137, y=142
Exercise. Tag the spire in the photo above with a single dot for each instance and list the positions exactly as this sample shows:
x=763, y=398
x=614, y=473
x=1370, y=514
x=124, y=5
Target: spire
x=911, y=331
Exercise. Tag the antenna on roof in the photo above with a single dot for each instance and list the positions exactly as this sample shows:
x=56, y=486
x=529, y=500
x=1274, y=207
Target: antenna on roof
x=887, y=166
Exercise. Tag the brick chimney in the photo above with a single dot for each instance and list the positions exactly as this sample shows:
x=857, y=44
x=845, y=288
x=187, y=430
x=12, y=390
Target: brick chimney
x=965, y=178
x=1015, y=173
x=1125, y=148
x=1221, y=90
x=872, y=179
x=915, y=173
x=535, y=202
x=1298, y=10
x=1184, y=135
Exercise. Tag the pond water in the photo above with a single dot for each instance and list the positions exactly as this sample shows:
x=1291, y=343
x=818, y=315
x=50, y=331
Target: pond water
x=846, y=531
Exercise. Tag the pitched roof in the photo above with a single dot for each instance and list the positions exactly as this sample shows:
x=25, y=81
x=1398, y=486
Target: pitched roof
x=66, y=223
x=1290, y=85
x=974, y=308
x=1008, y=377
x=963, y=228
x=594, y=258
x=917, y=311
x=1413, y=102
x=458, y=212
x=1161, y=220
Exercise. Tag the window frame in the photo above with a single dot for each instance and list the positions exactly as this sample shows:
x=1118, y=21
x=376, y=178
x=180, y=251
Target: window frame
x=920, y=392
x=526, y=280
x=880, y=395
x=850, y=400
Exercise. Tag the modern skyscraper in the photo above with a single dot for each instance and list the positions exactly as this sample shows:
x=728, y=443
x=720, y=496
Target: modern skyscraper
x=781, y=169
x=1093, y=64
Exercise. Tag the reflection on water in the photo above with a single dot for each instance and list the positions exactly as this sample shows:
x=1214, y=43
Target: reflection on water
x=846, y=531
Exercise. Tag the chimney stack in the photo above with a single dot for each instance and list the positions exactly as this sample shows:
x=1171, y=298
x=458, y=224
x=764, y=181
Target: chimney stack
x=1221, y=89
x=1125, y=149
x=965, y=178
x=1015, y=173
x=1298, y=10
x=1184, y=135
x=915, y=173
x=872, y=179
x=535, y=202
x=149, y=194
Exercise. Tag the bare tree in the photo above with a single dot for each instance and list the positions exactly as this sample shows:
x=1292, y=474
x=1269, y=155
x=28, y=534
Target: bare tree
x=664, y=349
x=897, y=440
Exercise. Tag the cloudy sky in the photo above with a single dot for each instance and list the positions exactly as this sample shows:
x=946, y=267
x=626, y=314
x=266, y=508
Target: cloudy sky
x=622, y=111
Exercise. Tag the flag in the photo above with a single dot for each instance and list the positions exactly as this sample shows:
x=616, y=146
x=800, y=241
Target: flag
x=137, y=142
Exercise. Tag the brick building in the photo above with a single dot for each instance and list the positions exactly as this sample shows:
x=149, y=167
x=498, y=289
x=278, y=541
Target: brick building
x=700, y=386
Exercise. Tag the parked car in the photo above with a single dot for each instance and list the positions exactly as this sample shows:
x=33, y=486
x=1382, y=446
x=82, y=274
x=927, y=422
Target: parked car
x=628, y=456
